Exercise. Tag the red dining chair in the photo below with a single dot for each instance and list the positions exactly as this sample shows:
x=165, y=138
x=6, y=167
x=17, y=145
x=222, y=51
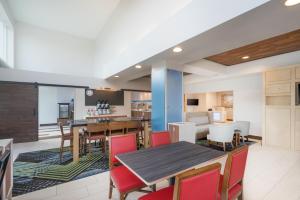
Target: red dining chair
x=160, y=138
x=231, y=183
x=120, y=177
x=196, y=184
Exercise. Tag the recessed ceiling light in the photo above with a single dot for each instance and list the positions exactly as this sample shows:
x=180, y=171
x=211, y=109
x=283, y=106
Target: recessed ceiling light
x=177, y=50
x=291, y=2
x=116, y=76
x=245, y=57
x=138, y=66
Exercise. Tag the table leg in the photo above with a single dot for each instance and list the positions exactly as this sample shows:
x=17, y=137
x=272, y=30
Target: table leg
x=76, y=144
x=146, y=139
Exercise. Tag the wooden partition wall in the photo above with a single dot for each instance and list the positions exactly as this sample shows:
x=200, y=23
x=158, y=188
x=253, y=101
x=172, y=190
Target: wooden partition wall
x=19, y=111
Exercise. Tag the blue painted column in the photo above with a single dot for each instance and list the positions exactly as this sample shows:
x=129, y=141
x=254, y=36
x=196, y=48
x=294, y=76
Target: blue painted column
x=167, y=97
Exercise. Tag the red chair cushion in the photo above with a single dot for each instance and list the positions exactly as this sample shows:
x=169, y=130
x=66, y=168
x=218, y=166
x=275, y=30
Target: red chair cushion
x=124, y=180
x=163, y=194
x=122, y=144
x=232, y=193
x=160, y=138
x=203, y=186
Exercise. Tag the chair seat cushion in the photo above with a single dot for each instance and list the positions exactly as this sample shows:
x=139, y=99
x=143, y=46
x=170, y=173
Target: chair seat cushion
x=163, y=194
x=232, y=193
x=124, y=180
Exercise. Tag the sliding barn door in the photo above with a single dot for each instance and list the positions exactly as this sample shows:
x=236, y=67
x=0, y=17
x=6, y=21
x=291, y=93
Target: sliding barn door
x=19, y=112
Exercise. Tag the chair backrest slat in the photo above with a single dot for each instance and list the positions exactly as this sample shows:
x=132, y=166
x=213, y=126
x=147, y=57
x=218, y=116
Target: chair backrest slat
x=97, y=127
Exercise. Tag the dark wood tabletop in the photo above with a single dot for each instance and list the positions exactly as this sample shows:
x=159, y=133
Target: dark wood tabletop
x=153, y=165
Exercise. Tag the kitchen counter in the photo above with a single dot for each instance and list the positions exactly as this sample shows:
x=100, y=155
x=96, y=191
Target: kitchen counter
x=105, y=116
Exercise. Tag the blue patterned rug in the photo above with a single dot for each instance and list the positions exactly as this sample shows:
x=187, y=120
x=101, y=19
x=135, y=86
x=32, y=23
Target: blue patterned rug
x=41, y=169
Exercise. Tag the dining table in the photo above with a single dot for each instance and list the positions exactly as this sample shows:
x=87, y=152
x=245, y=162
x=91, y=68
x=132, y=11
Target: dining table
x=156, y=164
x=77, y=126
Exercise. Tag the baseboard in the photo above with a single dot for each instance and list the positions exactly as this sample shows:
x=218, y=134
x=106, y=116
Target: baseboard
x=51, y=124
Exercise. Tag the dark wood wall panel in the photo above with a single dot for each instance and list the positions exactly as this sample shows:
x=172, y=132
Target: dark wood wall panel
x=281, y=44
x=19, y=112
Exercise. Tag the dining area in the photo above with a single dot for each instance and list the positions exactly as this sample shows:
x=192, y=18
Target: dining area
x=87, y=133
x=193, y=172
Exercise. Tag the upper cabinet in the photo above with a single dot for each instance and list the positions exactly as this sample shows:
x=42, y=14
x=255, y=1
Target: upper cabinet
x=278, y=89
x=280, y=75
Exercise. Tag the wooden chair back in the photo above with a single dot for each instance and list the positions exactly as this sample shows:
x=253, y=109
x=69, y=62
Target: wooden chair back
x=234, y=169
x=114, y=126
x=97, y=128
x=120, y=144
x=61, y=127
x=133, y=125
x=202, y=183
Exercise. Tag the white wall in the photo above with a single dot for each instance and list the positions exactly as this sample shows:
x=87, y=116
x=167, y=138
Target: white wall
x=247, y=94
x=42, y=50
x=49, y=97
x=139, y=29
x=51, y=78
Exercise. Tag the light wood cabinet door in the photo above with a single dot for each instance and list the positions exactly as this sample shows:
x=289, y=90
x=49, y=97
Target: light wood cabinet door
x=278, y=126
x=297, y=129
x=278, y=89
x=278, y=75
x=298, y=73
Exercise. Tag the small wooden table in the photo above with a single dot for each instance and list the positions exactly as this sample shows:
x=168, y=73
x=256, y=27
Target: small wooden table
x=154, y=165
x=77, y=125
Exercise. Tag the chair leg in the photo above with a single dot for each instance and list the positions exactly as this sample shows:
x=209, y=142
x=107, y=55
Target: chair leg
x=104, y=145
x=224, y=146
x=90, y=147
x=110, y=189
x=240, y=197
x=122, y=196
x=61, y=149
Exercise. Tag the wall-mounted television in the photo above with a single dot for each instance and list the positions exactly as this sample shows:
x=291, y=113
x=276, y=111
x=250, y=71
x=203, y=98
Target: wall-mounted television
x=192, y=102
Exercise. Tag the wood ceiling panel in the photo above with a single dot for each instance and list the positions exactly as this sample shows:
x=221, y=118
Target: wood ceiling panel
x=281, y=44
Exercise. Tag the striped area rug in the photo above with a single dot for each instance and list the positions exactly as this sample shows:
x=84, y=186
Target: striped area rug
x=41, y=169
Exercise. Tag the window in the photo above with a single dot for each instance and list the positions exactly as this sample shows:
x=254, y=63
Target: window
x=6, y=44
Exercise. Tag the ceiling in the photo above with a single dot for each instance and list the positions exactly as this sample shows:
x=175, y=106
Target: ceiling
x=266, y=21
x=281, y=44
x=83, y=18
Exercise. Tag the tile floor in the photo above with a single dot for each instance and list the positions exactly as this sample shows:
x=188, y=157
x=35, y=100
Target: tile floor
x=271, y=174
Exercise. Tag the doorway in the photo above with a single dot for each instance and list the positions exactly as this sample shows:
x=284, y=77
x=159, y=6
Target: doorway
x=55, y=104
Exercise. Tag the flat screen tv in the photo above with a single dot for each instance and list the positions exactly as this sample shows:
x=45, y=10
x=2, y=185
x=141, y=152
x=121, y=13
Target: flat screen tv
x=192, y=102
